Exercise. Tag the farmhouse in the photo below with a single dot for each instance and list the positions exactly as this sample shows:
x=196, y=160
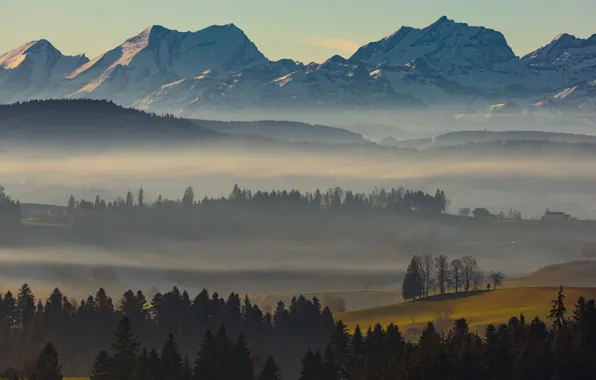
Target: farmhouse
x=555, y=216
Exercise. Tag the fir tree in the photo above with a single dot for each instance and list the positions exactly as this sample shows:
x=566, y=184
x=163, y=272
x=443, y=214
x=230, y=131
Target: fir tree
x=558, y=310
x=48, y=366
x=100, y=369
x=270, y=370
x=124, y=351
x=412, y=283
x=171, y=361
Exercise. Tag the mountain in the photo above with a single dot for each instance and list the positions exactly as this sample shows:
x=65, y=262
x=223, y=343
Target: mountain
x=158, y=56
x=34, y=70
x=447, y=66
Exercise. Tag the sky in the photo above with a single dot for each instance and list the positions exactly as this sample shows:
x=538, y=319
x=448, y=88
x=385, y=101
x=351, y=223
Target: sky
x=306, y=30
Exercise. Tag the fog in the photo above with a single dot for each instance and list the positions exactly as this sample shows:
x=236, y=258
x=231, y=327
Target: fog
x=527, y=182
x=365, y=252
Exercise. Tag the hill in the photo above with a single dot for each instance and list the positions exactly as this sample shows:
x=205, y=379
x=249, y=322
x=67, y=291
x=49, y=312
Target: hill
x=284, y=130
x=352, y=300
x=574, y=273
x=479, y=308
x=63, y=119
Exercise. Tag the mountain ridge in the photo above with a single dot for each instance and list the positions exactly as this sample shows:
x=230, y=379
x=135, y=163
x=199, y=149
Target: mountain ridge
x=446, y=64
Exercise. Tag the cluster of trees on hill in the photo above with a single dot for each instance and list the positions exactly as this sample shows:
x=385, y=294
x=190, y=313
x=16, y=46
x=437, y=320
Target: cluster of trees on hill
x=10, y=214
x=520, y=349
x=439, y=273
x=396, y=200
x=190, y=218
x=79, y=329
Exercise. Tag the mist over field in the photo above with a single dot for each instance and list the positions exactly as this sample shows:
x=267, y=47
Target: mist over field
x=499, y=180
x=370, y=253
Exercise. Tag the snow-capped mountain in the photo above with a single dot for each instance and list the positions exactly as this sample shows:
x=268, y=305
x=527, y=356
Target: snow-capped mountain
x=34, y=70
x=444, y=65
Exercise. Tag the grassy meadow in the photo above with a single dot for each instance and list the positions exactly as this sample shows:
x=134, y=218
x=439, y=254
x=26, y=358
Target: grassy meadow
x=479, y=308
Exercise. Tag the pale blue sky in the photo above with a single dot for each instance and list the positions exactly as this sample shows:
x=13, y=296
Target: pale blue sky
x=305, y=30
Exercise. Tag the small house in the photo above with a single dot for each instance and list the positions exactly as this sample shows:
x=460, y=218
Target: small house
x=482, y=213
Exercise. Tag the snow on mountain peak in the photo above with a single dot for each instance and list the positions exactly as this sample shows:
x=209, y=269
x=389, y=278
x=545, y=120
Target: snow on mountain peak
x=445, y=43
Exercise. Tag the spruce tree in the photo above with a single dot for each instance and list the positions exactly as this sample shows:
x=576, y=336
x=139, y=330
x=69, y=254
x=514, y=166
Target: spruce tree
x=124, y=351
x=186, y=369
x=241, y=362
x=206, y=364
x=270, y=370
x=171, y=361
x=100, y=369
x=25, y=305
x=48, y=366
x=558, y=310
x=412, y=283
x=311, y=366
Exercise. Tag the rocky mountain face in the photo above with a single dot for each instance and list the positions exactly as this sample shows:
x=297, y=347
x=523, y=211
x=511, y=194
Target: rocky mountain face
x=444, y=65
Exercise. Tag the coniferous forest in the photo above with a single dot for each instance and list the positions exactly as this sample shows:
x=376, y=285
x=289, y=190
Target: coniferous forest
x=210, y=338
x=190, y=218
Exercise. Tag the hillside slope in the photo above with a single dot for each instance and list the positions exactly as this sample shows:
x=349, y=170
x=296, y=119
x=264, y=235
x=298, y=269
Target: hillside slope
x=574, y=273
x=479, y=309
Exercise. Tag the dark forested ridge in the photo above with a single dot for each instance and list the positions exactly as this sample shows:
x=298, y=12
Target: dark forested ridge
x=562, y=348
x=72, y=118
x=285, y=131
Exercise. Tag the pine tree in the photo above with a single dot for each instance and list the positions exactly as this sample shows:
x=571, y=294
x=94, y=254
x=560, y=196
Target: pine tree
x=558, y=310
x=124, y=351
x=207, y=362
x=142, y=367
x=25, y=305
x=171, y=361
x=186, y=369
x=241, y=362
x=48, y=366
x=412, y=283
x=100, y=369
x=270, y=370
x=311, y=366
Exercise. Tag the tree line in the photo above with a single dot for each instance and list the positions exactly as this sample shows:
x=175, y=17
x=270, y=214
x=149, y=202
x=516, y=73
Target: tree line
x=10, y=215
x=395, y=199
x=564, y=348
x=440, y=274
x=238, y=214
x=81, y=328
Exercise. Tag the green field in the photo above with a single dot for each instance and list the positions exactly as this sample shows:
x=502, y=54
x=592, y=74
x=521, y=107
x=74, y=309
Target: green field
x=480, y=309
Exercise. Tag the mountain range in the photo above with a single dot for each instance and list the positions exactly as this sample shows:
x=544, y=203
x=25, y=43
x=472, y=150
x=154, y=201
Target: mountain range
x=446, y=65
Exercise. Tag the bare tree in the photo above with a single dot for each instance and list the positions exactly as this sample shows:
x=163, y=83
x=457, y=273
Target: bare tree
x=456, y=274
x=478, y=279
x=427, y=269
x=442, y=271
x=423, y=274
x=465, y=211
x=469, y=267
x=589, y=251
x=496, y=278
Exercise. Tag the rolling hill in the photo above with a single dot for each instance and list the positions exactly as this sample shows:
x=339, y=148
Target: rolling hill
x=479, y=308
x=574, y=273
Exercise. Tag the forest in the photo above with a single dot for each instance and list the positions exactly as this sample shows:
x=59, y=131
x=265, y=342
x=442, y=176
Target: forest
x=564, y=347
x=190, y=218
x=10, y=216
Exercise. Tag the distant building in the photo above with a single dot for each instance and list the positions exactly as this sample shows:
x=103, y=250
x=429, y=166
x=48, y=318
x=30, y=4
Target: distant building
x=555, y=215
x=482, y=213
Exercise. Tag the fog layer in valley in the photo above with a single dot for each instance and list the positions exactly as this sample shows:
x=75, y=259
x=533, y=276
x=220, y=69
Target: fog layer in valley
x=370, y=251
